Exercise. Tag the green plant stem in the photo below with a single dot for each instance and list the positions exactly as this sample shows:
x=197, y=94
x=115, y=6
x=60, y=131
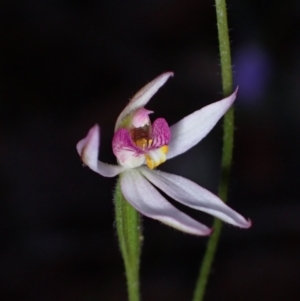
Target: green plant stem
x=129, y=235
x=226, y=71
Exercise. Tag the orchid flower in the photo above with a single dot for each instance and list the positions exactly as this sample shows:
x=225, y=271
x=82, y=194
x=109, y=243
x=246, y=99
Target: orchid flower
x=140, y=147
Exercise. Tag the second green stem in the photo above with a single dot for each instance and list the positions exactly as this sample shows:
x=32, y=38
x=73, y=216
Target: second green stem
x=228, y=134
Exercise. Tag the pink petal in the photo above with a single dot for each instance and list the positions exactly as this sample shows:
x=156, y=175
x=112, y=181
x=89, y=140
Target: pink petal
x=88, y=150
x=127, y=153
x=190, y=130
x=141, y=98
x=161, y=133
x=194, y=196
x=147, y=200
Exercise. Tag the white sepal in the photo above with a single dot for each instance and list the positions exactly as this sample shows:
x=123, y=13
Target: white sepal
x=147, y=200
x=190, y=130
x=88, y=150
x=192, y=195
x=141, y=98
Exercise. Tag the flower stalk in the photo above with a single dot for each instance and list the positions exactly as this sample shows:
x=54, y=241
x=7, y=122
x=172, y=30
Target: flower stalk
x=129, y=235
x=228, y=135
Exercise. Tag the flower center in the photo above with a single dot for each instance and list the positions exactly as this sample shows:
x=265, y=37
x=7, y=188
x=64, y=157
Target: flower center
x=141, y=137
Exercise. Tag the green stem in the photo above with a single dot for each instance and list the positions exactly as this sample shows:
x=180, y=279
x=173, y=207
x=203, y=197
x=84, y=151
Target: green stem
x=129, y=235
x=224, y=48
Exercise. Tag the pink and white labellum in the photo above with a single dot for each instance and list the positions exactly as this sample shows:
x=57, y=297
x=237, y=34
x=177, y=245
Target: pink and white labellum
x=140, y=146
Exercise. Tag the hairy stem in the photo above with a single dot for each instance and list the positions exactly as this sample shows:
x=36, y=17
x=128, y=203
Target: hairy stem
x=129, y=236
x=228, y=134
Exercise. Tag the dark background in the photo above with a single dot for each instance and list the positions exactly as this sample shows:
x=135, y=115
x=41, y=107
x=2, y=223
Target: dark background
x=66, y=65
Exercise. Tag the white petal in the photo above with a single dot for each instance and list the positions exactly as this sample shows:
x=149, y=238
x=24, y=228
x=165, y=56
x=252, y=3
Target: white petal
x=194, y=196
x=141, y=98
x=88, y=150
x=147, y=200
x=190, y=130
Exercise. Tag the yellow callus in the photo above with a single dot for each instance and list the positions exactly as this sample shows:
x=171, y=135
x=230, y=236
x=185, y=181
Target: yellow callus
x=156, y=157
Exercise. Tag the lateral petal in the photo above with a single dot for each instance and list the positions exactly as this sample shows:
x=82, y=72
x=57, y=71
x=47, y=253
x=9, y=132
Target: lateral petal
x=88, y=150
x=161, y=133
x=190, y=130
x=141, y=98
x=128, y=154
x=148, y=201
x=194, y=196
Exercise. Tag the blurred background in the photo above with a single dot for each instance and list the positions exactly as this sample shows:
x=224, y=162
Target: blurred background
x=66, y=65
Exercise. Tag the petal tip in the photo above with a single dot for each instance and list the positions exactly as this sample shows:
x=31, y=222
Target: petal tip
x=161, y=79
x=169, y=74
x=87, y=147
x=235, y=92
x=249, y=224
x=206, y=233
x=211, y=231
x=246, y=224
